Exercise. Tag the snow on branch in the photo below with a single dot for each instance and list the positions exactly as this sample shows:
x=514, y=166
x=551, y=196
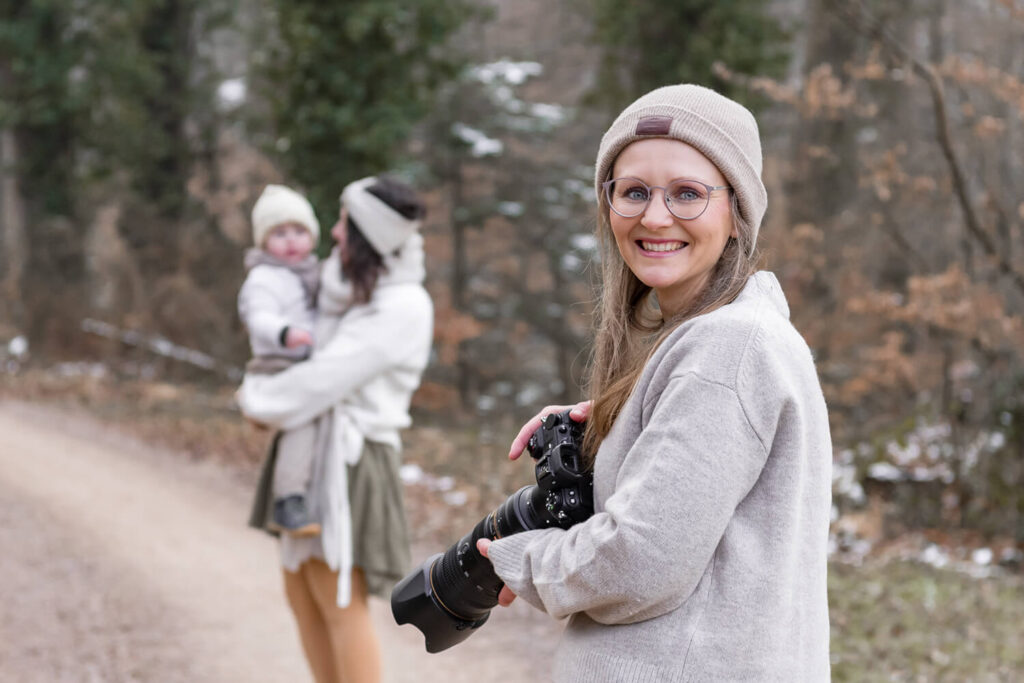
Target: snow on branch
x=161, y=347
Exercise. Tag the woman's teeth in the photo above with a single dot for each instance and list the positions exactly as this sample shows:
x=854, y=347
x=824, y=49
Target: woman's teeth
x=661, y=246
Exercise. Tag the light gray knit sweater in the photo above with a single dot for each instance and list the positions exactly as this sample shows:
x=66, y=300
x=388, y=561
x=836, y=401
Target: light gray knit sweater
x=705, y=559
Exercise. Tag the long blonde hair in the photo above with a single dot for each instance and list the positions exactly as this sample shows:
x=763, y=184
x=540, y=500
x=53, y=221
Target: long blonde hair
x=630, y=328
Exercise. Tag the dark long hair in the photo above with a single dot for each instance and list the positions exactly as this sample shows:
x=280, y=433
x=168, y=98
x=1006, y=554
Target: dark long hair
x=361, y=263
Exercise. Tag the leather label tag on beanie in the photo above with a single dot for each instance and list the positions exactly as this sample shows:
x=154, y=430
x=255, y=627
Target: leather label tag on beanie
x=654, y=125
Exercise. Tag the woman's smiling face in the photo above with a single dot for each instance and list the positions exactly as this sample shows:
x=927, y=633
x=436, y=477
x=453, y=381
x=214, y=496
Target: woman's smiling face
x=674, y=257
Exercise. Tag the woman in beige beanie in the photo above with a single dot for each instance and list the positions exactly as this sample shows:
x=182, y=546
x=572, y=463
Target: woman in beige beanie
x=705, y=558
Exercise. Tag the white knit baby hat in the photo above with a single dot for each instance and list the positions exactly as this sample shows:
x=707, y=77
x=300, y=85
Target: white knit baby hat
x=277, y=205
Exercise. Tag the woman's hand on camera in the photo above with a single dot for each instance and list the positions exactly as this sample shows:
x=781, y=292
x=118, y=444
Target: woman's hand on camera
x=505, y=596
x=578, y=412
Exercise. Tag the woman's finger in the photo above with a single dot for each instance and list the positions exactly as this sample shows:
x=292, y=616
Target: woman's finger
x=581, y=411
x=526, y=431
x=505, y=595
x=578, y=412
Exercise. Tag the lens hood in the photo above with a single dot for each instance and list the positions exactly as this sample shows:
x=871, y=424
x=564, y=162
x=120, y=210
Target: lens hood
x=413, y=601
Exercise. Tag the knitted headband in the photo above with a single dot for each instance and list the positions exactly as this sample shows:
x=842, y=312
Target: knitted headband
x=278, y=205
x=722, y=130
x=383, y=227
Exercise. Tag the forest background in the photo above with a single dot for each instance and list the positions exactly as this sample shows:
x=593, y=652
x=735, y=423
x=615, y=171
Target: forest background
x=135, y=137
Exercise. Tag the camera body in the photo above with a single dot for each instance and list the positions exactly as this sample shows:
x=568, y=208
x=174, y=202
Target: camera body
x=451, y=594
x=561, y=473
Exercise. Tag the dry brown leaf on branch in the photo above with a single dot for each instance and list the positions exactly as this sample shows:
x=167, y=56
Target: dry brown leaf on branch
x=451, y=327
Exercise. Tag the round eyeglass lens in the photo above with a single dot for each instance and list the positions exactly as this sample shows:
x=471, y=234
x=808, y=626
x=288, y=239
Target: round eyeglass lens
x=686, y=198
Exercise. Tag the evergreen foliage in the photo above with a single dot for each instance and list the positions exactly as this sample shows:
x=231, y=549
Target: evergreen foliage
x=97, y=88
x=37, y=100
x=97, y=100
x=650, y=43
x=346, y=82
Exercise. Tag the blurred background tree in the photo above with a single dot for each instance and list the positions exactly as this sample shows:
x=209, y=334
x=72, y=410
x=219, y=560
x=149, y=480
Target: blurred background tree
x=97, y=102
x=518, y=226
x=346, y=83
x=647, y=44
x=900, y=249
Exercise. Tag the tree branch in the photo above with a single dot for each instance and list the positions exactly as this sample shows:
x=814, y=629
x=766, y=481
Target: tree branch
x=872, y=27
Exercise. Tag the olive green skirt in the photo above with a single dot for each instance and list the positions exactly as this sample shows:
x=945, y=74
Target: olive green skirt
x=380, y=532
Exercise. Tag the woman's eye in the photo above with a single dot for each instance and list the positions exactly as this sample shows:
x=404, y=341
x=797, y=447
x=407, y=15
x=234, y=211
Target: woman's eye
x=635, y=193
x=687, y=193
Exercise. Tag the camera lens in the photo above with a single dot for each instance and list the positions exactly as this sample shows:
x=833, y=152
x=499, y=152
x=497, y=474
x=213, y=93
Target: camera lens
x=464, y=581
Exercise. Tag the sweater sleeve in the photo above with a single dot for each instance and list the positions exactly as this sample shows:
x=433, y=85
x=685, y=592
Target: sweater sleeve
x=644, y=554
x=261, y=310
x=367, y=342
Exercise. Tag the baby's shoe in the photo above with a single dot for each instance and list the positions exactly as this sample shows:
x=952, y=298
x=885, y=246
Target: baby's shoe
x=291, y=516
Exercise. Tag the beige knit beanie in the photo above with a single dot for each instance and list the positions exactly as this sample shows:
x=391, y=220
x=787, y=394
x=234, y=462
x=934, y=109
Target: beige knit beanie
x=722, y=130
x=279, y=204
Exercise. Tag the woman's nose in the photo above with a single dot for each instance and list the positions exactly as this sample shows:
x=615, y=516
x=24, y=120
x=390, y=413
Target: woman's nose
x=657, y=215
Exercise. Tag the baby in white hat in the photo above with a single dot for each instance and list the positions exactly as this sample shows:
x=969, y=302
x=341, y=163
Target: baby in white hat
x=277, y=304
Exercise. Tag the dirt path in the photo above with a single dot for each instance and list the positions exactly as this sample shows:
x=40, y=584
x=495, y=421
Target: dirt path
x=121, y=562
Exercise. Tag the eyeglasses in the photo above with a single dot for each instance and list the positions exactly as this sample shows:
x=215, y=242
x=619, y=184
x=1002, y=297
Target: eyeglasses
x=685, y=199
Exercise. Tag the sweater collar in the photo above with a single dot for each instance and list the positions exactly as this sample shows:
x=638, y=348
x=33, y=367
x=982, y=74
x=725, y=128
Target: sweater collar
x=405, y=265
x=765, y=284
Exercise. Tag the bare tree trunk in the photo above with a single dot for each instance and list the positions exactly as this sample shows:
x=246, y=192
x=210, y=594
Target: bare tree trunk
x=821, y=189
x=565, y=350
x=459, y=275
x=465, y=379
x=13, y=249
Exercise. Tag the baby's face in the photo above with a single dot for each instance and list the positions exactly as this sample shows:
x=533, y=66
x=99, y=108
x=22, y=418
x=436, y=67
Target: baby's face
x=289, y=242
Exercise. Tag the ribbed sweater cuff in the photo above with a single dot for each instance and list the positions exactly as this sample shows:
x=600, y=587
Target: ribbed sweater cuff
x=512, y=566
x=507, y=556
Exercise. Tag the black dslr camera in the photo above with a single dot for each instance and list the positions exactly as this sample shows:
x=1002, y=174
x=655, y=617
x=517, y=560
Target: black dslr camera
x=452, y=593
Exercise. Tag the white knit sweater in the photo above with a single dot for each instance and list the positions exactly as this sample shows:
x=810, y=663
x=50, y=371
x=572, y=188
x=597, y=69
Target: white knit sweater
x=705, y=559
x=270, y=299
